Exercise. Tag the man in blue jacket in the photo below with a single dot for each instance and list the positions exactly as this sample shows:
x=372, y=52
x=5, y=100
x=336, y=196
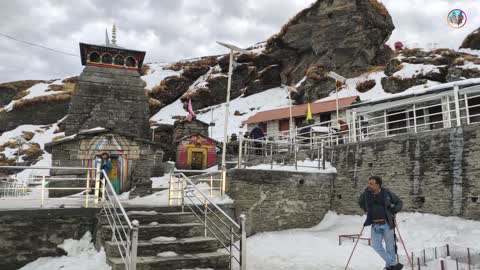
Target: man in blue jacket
x=381, y=206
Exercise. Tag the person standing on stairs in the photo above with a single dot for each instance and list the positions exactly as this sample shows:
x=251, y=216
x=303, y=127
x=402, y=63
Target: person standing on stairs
x=381, y=206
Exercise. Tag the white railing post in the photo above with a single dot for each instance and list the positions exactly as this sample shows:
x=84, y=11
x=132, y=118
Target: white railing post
x=98, y=172
x=243, y=243
x=354, y=119
x=467, y=113
x=385, y=122
x=171, y=190
x=224, y=182
x=449, y=117
x=87, y=190
x=211, y=186
x=414, y=118
x=42, y=203
x=240, y=145
x=134, y=246
x=457, y=105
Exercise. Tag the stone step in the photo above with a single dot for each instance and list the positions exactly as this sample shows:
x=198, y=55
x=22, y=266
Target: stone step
x=179, y=246
x=211, y=260
x=147, y=232
x=148, y=217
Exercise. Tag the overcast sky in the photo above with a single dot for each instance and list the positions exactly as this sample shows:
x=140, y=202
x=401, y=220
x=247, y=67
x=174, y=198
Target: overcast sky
x=169, y=30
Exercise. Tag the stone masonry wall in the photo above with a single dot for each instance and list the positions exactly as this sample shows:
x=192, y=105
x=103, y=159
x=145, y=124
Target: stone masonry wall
x=435, y=172
x=109, y=98
x=26, y=235
x=279, y=200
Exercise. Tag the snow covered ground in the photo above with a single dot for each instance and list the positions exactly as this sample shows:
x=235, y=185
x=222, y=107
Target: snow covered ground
x=317, y=248
x=314, y=248
x=302, y=166
x=157, y=73
x=81, y=255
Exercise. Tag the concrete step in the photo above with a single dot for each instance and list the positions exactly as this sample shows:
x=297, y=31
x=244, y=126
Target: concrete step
x=179, y=246
x=211, y=260
x=147, y=232
x=150, y=216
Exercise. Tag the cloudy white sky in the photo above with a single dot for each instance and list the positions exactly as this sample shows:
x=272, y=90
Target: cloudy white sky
x=170, y=30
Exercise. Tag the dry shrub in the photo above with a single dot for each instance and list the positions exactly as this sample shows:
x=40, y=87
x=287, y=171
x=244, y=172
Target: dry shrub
x=472, y=58
x=56, y=138
x=56, y=98
x=32, y=153
x=459, y=61
x=365, y=86
x=204, y=61
x=154, y=106
x=27, y=135
x=70, y=80
x=67, y=86
x=411, y=52
x=144, y=70
x=4, y=161
x=20, y=95
x=20, y=85
x=10, y=144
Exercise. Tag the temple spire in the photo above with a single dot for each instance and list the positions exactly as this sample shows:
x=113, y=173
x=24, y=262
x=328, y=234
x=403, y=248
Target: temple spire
x=107, y=39
x=114, y=35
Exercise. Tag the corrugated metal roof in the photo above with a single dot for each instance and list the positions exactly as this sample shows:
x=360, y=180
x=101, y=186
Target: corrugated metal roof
x=300, y=110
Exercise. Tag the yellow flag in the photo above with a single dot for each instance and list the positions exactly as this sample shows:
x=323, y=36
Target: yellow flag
x=309, y=112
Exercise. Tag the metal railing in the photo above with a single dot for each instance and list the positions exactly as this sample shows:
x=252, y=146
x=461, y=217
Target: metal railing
x=40, y=192
x=12, y=189
x=461, y=258
x=284, y=153
x=214, y=183
x=230, y=235
x=124, y=231
x=413, y=115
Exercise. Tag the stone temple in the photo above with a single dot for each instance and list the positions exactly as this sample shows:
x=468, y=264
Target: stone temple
x=109, y=113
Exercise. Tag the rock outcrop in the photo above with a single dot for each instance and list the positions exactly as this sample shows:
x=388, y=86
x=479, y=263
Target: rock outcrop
x=472, y=41
x=312, y=38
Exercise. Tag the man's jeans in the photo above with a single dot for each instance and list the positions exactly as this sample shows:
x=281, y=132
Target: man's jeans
x=383, y=232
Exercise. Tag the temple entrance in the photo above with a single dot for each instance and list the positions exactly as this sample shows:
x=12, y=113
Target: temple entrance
x=197, y=160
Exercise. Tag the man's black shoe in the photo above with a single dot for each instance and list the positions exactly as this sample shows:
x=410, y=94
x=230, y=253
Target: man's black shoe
x=398, y=266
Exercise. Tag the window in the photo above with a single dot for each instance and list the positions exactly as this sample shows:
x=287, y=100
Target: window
x=106, y=58
x=131, y=62
x=284, y=124
x=119, y=60
x=435, y=117
x=397, y=122
x=325, y=119
x=474, y=109
x=94, y=57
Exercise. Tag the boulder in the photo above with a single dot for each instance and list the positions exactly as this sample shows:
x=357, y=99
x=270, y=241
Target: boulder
x=472, y=41
x=312, y=37
x=395, y=85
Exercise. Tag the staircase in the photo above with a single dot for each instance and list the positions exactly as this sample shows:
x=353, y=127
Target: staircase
x=167, y=239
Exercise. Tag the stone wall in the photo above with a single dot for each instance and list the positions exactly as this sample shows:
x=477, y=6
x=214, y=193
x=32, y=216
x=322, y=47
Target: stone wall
x=26, y=235
x=279, y=200
x=435, y=172
x=109, y=98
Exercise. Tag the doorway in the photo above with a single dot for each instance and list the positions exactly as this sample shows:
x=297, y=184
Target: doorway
x=197, y=160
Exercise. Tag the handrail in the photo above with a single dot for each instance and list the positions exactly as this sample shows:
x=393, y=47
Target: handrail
x=124, y=235
x=210, y=201
x=188, y=190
